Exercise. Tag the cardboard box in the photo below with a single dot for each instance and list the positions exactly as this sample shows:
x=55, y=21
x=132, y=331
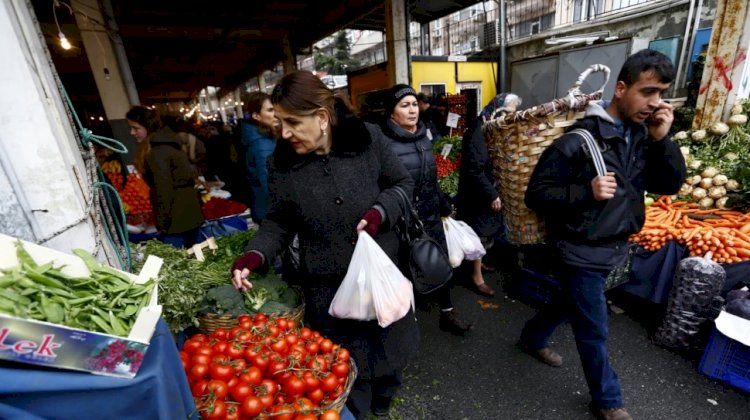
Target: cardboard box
x=47, y=344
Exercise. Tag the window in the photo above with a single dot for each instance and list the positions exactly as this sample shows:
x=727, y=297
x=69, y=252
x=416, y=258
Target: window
x=432, y=89
x=587, y=9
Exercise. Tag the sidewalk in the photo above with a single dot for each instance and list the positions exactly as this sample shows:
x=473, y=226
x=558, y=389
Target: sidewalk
x=484, y=376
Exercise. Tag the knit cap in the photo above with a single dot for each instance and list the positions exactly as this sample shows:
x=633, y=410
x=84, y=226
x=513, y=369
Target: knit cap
x=396, y=94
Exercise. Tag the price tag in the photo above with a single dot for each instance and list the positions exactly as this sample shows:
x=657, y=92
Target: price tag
x=452, y=120
x=446, y=150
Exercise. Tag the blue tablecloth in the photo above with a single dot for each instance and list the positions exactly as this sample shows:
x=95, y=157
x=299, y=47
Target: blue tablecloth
x=159, y=391
x=652, y=272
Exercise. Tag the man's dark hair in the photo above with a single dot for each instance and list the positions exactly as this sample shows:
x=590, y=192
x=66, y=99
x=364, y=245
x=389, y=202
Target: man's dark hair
x=644, y=61
x=421, y=97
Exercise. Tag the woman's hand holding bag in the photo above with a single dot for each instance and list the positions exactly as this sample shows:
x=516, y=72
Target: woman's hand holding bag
x=373, y=287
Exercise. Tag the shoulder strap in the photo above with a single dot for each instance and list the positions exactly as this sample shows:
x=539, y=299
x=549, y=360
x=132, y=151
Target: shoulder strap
x=593, y=148
x=412, y=223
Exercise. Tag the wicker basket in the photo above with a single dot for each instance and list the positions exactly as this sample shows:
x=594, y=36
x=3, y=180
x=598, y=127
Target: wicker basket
x=339, y=403
x=515, y=142
x=209, y=322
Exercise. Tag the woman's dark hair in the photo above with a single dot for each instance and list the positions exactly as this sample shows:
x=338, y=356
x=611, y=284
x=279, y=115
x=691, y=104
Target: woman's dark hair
x=146, y=117
x=303, y=93
x=150, y=120
x=645, y=61
x=254, y=103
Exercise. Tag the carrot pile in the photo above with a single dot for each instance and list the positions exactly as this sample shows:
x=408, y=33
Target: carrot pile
x=726, y=233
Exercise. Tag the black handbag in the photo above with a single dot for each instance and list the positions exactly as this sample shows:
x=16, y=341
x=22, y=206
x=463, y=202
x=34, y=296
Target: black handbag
x=421, y=259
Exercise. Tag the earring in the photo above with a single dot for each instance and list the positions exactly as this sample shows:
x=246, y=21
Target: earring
x=325, y=133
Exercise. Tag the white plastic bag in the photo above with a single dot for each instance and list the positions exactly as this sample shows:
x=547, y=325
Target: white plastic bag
x=461, y=233
x=373, y=287
x=455, y=252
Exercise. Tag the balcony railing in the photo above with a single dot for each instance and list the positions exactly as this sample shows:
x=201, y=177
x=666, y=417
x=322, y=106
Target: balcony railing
x=464, y=33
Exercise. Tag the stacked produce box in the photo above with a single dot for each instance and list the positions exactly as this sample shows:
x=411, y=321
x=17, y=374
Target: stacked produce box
x=71, y=312
x=447, y=152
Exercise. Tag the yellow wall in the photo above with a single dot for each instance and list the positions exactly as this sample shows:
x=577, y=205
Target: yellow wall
x=430, y=72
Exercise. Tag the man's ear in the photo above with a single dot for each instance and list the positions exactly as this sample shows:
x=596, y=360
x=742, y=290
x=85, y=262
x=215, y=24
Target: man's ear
x=325, y=119
x=620, y=88
x=255, y=116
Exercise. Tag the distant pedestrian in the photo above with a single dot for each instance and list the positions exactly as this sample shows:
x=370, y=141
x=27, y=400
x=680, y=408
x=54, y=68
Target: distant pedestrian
x=431, y=117
x=589, y=217
x=258, y=143
x=170, y=177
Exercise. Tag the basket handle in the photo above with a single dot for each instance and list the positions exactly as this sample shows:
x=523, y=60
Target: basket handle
x=575, y=99
x=592, y=68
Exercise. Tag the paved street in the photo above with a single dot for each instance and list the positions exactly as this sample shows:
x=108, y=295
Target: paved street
x=484, y=376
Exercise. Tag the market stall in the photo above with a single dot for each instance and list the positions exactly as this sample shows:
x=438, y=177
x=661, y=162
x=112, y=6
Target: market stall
x=78, y=335
x=159, y=390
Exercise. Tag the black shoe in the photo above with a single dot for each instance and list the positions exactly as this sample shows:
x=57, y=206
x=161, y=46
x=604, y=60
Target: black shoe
x=380, y=406
x=450, y=322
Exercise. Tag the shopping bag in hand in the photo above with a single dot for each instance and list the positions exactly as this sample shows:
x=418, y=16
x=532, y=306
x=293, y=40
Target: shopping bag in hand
x=373, y=287
x=461, y=233
x=455, y=252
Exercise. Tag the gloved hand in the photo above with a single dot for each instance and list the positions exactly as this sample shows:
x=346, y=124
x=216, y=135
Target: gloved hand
x=370, y=222
x=242, y=267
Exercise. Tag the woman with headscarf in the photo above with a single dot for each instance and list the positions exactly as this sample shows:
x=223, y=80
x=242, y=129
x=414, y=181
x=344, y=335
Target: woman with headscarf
x=478, y=201
x=411, y=143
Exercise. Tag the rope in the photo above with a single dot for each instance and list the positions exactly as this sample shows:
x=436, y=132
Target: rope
x=100, y=204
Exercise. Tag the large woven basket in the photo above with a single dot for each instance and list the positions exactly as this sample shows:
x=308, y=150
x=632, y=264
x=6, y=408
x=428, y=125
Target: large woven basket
x=516, y=140
x=339, y=403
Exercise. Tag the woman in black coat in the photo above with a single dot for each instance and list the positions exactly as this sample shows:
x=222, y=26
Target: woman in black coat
x=478, y=201
x=331, y=176
x=411, y=142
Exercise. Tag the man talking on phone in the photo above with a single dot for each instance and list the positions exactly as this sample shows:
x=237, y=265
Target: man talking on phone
x=589, y=215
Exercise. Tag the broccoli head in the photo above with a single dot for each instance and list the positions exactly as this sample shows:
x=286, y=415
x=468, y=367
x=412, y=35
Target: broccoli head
x=256, y=297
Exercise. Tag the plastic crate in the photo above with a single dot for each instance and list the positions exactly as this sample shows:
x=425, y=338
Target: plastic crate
x=726, y=360
x=537, y=289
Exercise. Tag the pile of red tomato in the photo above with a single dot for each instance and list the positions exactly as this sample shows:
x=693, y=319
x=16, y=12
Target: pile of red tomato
x=446, y=166
x=265, y=367
x=217, y=207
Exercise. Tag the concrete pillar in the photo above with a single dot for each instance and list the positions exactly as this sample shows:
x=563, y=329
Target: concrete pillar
x=397, y=49
x=290, y=62
x=107, y=72
x=726, y=66
x=262, y=82
x=238, y=104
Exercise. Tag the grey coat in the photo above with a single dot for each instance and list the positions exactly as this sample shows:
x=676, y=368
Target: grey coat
x=321, y=199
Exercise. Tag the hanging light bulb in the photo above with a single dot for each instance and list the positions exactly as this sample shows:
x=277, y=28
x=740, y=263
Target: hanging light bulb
x=64, y=43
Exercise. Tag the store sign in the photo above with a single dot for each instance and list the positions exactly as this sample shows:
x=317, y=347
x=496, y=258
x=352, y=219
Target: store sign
x=456, y=58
